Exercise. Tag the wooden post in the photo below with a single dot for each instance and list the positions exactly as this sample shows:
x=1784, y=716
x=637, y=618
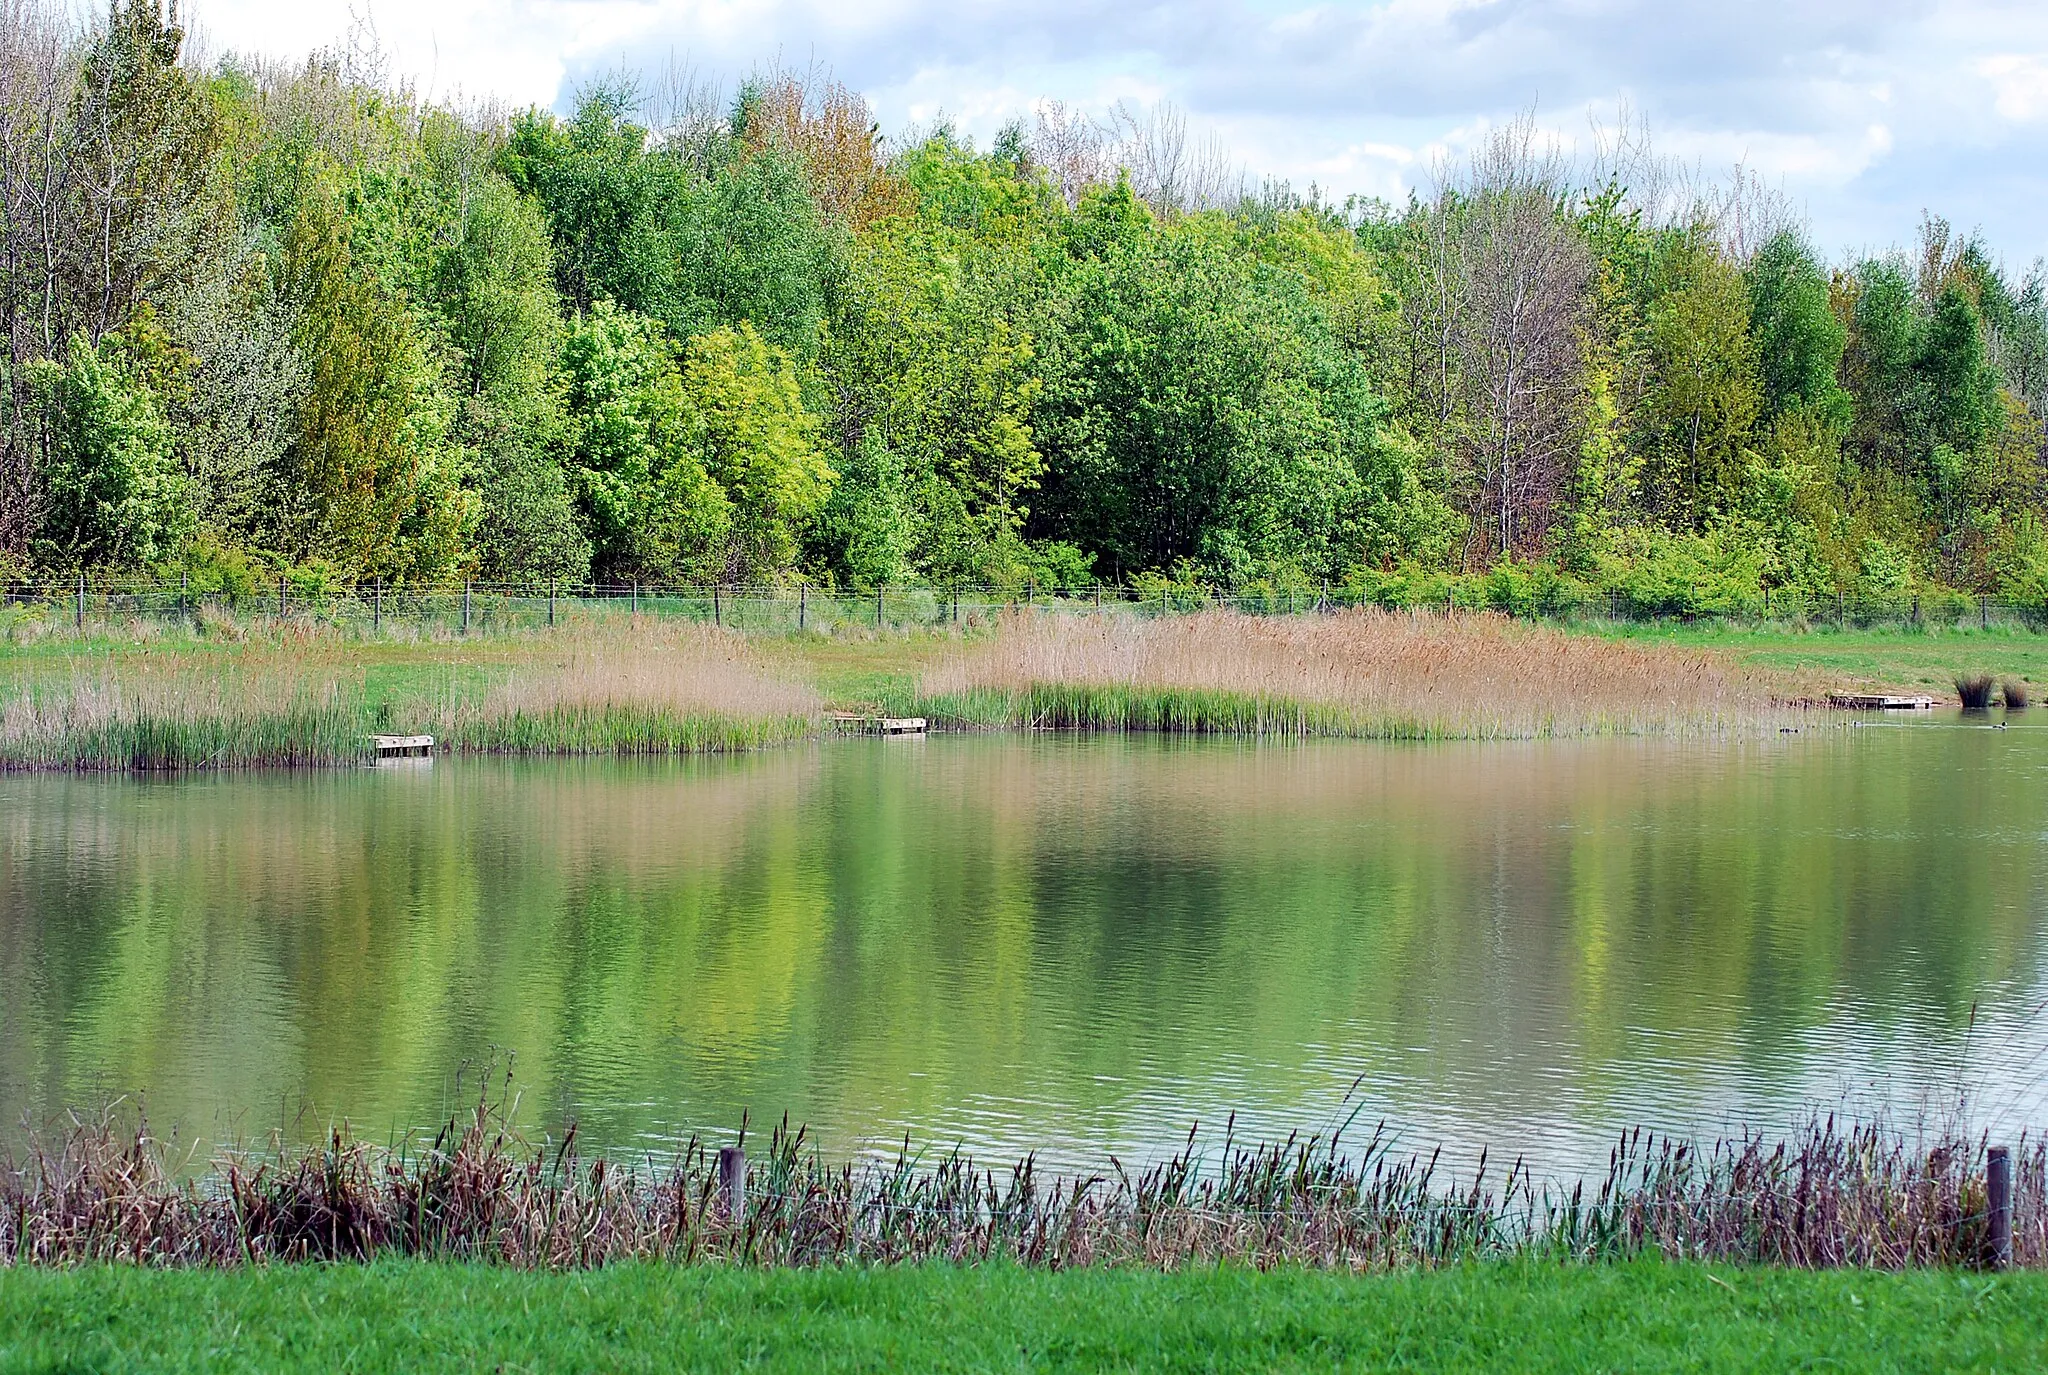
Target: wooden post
x=1998, y=1199
x=717, y=611
x=377, y=608
x=280, y=597
x=185, y=592
x=878, y=606
x=465, y=606
x=1841, y=609
x=1098, y=596
x=551, y=601
x=732, y=1183
x=1983, y=613
x=803, y=603
x=636, y=596
x=81, y=599
x=956, y=603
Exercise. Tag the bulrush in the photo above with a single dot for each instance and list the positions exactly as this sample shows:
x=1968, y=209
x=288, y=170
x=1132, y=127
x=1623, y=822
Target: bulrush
x=304, y=699
x=1360, y=673
x=1827, y=1195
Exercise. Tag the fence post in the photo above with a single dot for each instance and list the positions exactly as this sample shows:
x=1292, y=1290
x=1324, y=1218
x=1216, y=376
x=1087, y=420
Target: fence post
x=636, y=596
x=551, y=601
x=377, y=609
x=185, y=592
x=1998, y=1198
x=732, y=1183
x=280, y=597
x=465, y=606
x=81, y=599
x=1983, y=612
x=956, y=603
x=717, y=610
x=878, y=606
x=1841, y=610
x=803, y=603
x=1916, y=608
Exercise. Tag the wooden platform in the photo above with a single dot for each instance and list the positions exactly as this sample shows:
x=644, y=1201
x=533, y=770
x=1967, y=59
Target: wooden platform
x=853, y=723
x=1878, y=701
x=399, y=746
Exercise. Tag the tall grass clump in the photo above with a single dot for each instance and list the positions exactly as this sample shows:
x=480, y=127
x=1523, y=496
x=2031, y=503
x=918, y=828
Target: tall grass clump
x=1362, y=673
x=1975, y=690
x=669, y=689
x=307, y=699
x=1827, y=1195
x=2014, y=691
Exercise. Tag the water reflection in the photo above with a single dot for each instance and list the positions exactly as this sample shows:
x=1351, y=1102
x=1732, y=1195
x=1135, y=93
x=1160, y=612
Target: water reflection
x=1071, y=945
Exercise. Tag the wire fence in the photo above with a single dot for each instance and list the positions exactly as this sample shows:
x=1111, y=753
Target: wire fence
x=488, y=606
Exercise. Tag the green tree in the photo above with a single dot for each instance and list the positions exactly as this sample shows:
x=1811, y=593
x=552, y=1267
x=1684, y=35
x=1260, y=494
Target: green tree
x=115, y=495
x=1799, y=340
x=1704, y=400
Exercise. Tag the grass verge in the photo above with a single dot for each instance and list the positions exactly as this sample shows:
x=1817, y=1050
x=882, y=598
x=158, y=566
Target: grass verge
x=1643, y=1316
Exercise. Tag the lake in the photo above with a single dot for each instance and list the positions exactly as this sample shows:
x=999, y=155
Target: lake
x=1078, y=946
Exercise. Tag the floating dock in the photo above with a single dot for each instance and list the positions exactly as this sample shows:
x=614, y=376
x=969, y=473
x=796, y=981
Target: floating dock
x=400, y=746
x=1878, y=701
x=853, y=723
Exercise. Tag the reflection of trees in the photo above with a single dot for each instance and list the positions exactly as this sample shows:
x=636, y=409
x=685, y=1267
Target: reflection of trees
x=873, y=936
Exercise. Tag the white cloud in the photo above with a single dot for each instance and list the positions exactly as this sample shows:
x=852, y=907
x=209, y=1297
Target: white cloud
x=1867, y=110
x=2021, y=83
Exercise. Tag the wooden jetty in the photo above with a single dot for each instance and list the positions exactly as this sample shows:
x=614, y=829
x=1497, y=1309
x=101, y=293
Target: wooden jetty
x=1879, y=701
x=400, y=746
x=854, y=723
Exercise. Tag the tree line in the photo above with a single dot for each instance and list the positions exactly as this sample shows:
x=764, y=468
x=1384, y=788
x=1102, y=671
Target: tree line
x=266, y=319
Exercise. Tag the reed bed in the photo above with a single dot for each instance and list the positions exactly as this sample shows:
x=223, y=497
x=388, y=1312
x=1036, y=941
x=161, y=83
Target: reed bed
x=665, y=689
x=1829, y=1195
x=1368, y=673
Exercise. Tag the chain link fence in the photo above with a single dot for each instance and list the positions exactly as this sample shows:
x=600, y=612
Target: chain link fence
x=482, y=607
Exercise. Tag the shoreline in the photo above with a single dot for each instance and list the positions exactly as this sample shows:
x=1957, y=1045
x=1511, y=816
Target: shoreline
x=639, y=689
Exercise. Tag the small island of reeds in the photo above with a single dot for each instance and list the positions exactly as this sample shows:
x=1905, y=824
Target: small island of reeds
x=1364, y=673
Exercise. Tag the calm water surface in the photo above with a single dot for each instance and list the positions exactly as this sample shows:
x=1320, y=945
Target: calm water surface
x=1078, y=946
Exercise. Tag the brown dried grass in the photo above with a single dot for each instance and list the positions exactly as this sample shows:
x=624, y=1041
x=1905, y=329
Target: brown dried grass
x=304, y=699
x=1826, y=1195
x=1360, y=672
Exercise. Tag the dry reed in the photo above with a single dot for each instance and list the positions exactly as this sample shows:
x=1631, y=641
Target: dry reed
x=1362, y=673
x=1975, y=691
x=665, y=689
x=2014, y=691
x=1828, y=1195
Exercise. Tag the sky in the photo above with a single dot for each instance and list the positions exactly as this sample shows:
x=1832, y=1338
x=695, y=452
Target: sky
x=1864, y=113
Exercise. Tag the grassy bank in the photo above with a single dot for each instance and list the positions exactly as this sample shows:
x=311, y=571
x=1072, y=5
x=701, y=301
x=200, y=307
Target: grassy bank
x=312, y=697
x=1927, y=659
x=217, y=692
x=1828, y=1195
x=1369, y=674
x=428, y=1317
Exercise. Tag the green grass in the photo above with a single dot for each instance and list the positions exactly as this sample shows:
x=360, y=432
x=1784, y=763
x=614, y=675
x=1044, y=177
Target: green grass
x=1927, y=659
x=1193, y=711
x=1645, y=1316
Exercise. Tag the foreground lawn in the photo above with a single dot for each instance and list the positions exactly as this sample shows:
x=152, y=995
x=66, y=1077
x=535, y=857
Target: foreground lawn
x=1512, y=1316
